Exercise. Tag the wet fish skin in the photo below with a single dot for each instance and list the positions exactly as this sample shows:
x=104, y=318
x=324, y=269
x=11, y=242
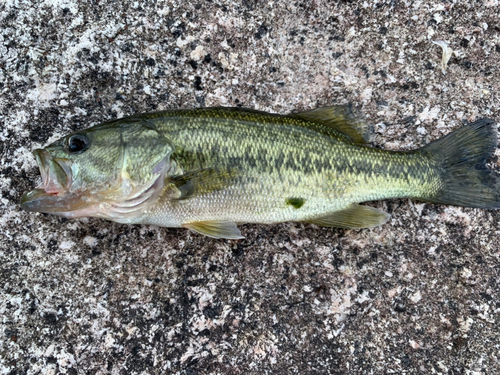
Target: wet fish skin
x=210, y=169
x=278, y=158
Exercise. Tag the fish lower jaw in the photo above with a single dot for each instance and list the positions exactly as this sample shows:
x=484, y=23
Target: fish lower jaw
x=50, y=189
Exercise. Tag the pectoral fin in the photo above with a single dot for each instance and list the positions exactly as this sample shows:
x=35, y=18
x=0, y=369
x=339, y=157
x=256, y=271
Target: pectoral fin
x=340, y=118
x=202, y=181
x=355, y=216
x=216, y=229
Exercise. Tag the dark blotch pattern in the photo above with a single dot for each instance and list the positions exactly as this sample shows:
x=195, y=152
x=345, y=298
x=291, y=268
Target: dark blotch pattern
x=295, y=202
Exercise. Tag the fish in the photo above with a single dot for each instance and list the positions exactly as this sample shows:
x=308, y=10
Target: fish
x=211, y=169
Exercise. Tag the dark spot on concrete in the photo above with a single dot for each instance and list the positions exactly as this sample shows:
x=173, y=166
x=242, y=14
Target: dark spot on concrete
x=409, y=120
x=96, y=252
x=200, y=100
x=405, y=361
x=197, y=83
x=364, y=68
x=486, y=296
x=160, y=73
x=50, y=319
x=261, y=32
x=205, y=332
x=193, y=64
x=179, y=30
x=459, y=342
x=212, y=268
x=93, y=59
x=212, y=312
x=52, y=245
x=295, y=202
x=218, y=65
x=399, y=306
x=126, y=47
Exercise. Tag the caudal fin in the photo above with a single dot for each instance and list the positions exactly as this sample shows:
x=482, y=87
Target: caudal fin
x=462, y=158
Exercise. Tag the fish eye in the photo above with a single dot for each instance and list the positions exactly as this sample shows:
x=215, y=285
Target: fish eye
x=78, y=143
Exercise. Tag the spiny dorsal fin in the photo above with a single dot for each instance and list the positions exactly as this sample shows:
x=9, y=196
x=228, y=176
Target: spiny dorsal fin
x=355, y=216
x=340, y=118
x=216, y=229
x=202, y=181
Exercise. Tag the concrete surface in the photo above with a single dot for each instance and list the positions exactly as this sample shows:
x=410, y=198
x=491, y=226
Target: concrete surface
x=419, y=295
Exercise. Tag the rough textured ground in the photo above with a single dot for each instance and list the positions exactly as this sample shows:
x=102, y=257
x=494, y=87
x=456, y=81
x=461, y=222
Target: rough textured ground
x=416, y=296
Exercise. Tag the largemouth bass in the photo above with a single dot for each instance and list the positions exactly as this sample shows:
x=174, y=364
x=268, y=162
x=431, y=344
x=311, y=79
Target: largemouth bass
x=211, y=169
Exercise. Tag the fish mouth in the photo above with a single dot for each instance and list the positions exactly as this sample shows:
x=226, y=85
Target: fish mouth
x=56, y=174
x=53, y=194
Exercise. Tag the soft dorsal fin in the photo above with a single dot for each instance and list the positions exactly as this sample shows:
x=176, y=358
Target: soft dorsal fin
x=340, y=118
x=216, y=229
x=354, y=216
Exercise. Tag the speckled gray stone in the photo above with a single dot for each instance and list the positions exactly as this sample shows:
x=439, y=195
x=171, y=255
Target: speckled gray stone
x=418, y=295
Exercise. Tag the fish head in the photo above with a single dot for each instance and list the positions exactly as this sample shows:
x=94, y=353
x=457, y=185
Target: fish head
x=114, y=170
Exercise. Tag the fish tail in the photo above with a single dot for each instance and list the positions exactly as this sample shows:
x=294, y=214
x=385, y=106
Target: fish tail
x=461, y=159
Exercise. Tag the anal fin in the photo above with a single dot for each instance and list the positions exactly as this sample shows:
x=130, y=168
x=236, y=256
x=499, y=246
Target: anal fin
x=216, y=229
x=355, y=216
